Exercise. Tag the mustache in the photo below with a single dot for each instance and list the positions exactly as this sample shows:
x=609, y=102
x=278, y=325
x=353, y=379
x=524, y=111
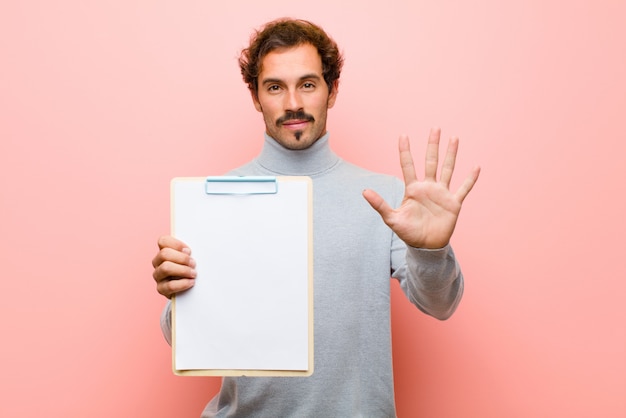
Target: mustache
x=297, y=115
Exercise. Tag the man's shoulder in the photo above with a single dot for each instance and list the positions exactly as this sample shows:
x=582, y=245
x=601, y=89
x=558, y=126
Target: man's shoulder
x=371, y=175
x=246, y=169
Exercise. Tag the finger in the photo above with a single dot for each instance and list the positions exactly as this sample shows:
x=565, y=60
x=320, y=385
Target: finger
x=171, y=248
x=175, y=256
x=378, y=203
x=169, y=270
x=468, y=184
x=406, y=159
x=447, y=167
x=432, y=154
x=170, y=287
x=171, y=242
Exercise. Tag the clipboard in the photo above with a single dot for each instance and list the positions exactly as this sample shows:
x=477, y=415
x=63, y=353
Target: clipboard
x=250, y=312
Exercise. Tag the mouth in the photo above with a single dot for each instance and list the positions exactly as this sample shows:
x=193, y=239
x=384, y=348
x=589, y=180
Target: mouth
x=295, y=121
x=295, y=124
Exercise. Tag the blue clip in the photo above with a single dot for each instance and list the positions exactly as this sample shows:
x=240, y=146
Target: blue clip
x=241, y=185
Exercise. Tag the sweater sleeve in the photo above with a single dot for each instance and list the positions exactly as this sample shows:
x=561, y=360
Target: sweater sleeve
x=432, y=280
x=166, y=322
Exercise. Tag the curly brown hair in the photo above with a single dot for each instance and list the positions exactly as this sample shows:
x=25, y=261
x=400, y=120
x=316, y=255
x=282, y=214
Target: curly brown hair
x=287, y=33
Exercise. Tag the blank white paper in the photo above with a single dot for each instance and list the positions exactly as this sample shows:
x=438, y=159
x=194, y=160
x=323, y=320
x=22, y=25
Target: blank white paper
x=249, y=308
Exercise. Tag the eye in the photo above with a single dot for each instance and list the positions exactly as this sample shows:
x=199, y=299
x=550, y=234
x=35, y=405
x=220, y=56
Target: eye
x=273, y=88
x=308, y=85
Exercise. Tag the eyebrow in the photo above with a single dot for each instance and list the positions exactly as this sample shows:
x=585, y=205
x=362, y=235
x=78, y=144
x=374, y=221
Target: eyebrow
x=311, y=76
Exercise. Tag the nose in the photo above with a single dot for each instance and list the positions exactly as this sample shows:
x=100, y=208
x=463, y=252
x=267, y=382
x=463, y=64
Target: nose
x=293, y=101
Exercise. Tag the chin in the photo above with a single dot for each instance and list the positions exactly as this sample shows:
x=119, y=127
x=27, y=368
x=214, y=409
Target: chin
x=296, y=146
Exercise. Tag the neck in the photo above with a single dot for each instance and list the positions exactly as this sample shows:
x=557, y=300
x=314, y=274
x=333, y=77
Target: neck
x=306, y=162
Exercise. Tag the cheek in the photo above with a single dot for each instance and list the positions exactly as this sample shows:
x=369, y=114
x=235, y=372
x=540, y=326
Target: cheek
x=267, y=107
x=269, y=118
x=321, y=107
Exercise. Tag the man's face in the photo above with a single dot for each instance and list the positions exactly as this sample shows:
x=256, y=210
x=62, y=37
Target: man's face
x=293, y=96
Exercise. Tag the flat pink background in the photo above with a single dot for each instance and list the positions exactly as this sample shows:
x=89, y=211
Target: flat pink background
x=102, y=102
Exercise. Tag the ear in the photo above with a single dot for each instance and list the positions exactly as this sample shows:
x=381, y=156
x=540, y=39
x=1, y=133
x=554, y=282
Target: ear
x=255, y=100
x=332, y=95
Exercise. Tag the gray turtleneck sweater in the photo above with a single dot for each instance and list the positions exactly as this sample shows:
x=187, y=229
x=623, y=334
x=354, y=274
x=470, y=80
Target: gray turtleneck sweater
x=355, y=255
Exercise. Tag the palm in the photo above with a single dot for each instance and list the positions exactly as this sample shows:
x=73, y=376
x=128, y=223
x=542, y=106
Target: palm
x=429, y=211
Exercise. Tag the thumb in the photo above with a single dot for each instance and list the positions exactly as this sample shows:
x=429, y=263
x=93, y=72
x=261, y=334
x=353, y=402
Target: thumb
x=377, y=203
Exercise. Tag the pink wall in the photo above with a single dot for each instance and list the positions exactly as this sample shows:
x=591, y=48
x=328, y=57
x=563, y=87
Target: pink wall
x=101, y=103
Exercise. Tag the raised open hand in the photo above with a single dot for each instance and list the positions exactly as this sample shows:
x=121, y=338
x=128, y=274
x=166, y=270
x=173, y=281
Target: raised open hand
x=429, y=211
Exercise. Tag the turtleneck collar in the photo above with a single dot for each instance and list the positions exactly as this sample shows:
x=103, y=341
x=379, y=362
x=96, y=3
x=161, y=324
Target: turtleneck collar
x=316, y=159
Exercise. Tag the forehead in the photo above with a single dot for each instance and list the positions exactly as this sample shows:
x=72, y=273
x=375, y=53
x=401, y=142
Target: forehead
x=293, y=62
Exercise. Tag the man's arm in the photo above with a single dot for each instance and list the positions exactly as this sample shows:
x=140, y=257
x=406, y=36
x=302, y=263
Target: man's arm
x=425, y=221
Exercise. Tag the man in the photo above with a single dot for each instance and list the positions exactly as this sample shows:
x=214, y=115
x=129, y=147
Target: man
x=292, y=69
